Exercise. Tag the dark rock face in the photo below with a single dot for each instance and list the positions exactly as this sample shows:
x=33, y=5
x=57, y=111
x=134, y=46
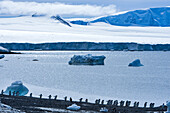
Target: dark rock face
x=136, y=63
x=61, y=20
x=87, y=60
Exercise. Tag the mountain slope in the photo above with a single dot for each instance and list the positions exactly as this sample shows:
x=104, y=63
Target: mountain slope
x=148, y=17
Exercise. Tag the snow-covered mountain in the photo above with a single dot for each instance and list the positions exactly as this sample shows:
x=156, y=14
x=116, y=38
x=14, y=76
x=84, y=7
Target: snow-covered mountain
x=27, y=29
x=146, y=17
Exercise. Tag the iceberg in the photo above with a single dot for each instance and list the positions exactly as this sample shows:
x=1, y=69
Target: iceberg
x=2, y=56
x=136, y=63
x=73, y=107
x=104, y=110
x=87, y=60
x=17, y=86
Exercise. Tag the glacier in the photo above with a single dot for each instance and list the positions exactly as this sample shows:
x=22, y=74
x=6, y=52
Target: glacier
x=146, y=17
x=36, y=30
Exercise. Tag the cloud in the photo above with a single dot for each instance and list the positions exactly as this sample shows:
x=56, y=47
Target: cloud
x=29, y=8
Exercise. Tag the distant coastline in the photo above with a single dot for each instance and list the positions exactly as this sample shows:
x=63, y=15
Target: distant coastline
x=85, y=46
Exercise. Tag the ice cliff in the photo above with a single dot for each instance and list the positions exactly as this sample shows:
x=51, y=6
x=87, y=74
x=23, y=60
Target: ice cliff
x=92, y=46
x=147, y=17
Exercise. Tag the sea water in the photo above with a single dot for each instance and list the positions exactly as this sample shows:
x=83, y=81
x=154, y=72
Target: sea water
x=150, y=83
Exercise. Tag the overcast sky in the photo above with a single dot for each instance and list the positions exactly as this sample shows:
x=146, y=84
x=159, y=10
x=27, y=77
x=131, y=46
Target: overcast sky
x=121, y=5
x=75, y=8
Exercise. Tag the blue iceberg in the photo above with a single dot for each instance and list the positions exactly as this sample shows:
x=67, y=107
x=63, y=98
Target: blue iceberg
x=136, y=63
x=73, y=107
x=17, y=86
x=87, y=60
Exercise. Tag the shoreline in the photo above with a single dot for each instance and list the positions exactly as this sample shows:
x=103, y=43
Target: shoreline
x=33, y=104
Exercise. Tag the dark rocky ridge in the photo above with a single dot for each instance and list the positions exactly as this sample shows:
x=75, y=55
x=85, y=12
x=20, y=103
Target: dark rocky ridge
x=33, y=105
x=87, y=46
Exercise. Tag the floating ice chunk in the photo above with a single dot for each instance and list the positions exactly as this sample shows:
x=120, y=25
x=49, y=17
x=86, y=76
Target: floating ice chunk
x=2, y=56
x=104, y=110
x=136, y=63
x=2, y=49
x=73, y=107
x=17, y=86
x=35, y=60
x=87, y=60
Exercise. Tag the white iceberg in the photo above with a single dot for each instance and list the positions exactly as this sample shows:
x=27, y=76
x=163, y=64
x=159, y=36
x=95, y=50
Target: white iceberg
x=17, y=86
x=2, y=49
x=87, y=60
x=104, y=110
x=73, y=107
x=2, y=56
x=136, y=63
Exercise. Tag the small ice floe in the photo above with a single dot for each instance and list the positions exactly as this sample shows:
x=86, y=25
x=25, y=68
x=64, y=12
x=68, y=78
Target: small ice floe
x=2, y=56
x=87, y=60
x=136, y=63
x=35, y=60
x=73, y=107
x=5, y=106
x=18, y=88
x=104, y=110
